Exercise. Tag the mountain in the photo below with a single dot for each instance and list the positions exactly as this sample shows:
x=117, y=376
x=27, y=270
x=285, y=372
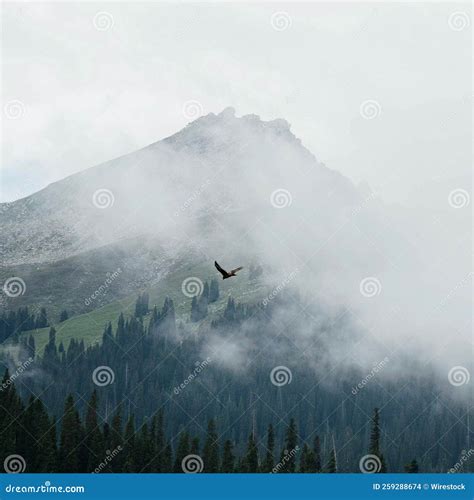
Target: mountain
x=240, y=190
x=217, y=164
x=337, y=289
x=223, y=187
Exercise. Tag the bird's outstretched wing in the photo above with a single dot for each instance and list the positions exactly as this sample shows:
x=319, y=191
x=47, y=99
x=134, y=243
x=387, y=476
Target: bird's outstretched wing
x=236, y=269
x=219, y=268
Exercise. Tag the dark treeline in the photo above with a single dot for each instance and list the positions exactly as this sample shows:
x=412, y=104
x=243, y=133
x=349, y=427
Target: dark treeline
x=12, y=323
x=142, y=305
x=199, y=303
x=88, y=444
x=156, y=363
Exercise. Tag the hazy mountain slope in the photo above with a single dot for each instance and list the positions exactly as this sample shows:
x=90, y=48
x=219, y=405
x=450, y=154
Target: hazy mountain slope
x=225, y=160
x=239, y=190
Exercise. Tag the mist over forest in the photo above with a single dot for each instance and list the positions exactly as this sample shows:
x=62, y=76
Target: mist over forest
x=236, y=238
x=345, y=306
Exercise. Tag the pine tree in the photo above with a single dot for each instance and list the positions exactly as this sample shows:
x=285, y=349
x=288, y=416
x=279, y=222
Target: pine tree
x=52, y=336
x=317, y=454
x=27, y=421
x=50, y=355
x=63, y=316
x=167, y=460
x=199, y=305
x=145, y=303
x=214, y=291
x=70, y=440
x=160, y=443
x=304, y=458
x=93, y=441
x=42, y=319
x=374, y=446
x=228, y=457
x=120, y=332
x=168, y=319
x=307, y=461
x=130, y=446
x=145, y=450
x=203, y=303
x=194, y=310
x=31, y=347
x=250, y=462
x=10, y=410
x=48, y=445
x=138, y=307
x=269, y=461
x=332, y=463
x=142, y=305
x=205, y=291
x=182, y=451
x=40, y=450
x=211, y=449
x=108, y=336
x=287, y=456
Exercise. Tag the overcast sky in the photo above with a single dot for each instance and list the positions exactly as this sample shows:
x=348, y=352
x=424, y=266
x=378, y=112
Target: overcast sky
x=86, y=82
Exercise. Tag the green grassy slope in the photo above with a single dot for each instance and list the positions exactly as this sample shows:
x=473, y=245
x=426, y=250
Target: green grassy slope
x=90, y=326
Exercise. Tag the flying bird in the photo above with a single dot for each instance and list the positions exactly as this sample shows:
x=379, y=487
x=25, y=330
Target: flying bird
x=226, y=274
